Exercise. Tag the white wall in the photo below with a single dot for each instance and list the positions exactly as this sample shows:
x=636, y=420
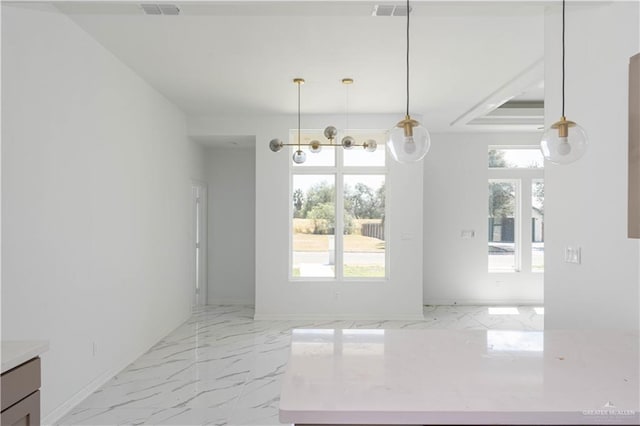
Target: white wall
x=95, y=205
x=276, y=297
x=231, y=180
x=455, y=194
x=586, y=202
x=197, y=162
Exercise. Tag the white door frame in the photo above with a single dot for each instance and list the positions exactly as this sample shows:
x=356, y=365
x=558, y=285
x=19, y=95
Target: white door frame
x=198, y=250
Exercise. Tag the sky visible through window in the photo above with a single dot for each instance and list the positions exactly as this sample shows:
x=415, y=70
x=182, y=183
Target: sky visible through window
x=304, y=182
x=355, y=157
x=529, y=158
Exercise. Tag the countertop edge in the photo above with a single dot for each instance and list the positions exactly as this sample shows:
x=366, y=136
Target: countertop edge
x=16, y=352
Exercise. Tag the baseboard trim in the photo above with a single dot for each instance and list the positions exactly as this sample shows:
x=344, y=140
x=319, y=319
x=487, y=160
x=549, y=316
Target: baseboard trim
x=66, y=407
x=338, y=317
x=216, y=302
x=483, y=302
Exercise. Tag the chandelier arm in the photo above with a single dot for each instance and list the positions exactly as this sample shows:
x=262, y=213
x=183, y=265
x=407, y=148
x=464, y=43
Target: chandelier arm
x=324, y=144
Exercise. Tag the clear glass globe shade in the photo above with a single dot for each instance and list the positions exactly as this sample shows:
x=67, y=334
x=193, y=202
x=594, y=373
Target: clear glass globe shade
x=314, y=146
x=299, y=157
x=564, y=150
x=275, y=145
x=348, y=142
x=408, y=149
x=330, y=132
x=371, y=145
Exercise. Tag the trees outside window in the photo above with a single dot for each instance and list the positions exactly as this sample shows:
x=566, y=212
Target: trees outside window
x=515, y=210
x=338, y=210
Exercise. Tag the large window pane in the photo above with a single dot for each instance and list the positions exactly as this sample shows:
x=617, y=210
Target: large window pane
x=314, y=212
x=502, y=226
x=537, y=226
x=364, y=238
x=516, y=158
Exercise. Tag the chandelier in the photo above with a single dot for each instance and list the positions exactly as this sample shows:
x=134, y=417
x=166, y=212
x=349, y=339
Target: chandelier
x=330, y=132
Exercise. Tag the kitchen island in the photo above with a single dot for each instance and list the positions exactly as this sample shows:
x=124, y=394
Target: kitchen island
x=20, y=382
x=419, y=377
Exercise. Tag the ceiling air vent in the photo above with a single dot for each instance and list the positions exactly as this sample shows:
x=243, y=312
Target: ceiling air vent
x=160, y=9
x=390, y=10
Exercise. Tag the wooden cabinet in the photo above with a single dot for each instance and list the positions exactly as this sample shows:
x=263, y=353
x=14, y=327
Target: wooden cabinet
x=20, y=395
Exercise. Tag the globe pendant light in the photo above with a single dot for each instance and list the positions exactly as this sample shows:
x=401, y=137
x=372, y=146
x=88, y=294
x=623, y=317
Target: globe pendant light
x=347, y=142
x=408, y=140
x=299, y=156
x=276, y=145
x=564, y=142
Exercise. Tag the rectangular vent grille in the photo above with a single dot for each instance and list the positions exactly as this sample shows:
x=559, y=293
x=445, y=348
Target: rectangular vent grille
x=160, y=9
x=390, y=10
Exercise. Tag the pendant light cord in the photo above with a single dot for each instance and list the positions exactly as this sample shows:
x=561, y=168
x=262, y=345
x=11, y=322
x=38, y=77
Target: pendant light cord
x=298, y=116
x=563, y=48
x=407, y=58
x=347, y=108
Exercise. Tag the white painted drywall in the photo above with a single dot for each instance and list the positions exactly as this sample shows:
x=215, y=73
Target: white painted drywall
x=197, y=162
x=455, y=197
x=231, y=179
x=586, y=202
x=277, y=297
x=95, y=205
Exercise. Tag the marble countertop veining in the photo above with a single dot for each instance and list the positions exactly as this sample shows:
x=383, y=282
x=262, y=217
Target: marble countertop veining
x=16, y=352
x=395, y=376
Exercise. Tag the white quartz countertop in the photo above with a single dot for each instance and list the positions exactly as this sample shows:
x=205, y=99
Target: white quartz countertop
x=16, y=352
x=461, y=377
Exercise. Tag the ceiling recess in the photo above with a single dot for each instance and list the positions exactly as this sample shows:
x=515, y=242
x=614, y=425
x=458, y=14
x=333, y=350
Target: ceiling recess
x=160, y=9
x=390, y=10
x=513, y=113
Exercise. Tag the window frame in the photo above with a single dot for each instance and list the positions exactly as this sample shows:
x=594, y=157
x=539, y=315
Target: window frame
x=531, y=183
x=339, y=170
x=524, y=177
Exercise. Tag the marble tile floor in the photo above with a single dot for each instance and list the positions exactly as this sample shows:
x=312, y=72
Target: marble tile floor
x=223, y=368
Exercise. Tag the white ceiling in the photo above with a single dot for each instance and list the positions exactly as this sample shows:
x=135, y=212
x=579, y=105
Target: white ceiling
x=238, y=58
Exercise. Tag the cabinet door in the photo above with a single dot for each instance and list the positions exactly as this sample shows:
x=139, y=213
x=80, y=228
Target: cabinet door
x=24, y=413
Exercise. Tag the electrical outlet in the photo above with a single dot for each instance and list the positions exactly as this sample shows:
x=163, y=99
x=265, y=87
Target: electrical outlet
x=467, y=234
x=573, y=255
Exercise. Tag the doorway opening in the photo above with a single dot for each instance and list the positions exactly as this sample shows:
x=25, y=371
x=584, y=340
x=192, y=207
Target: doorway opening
x=199, y=243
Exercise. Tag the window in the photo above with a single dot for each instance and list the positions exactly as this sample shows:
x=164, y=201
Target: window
x=516, y=158
x=537, y=225
x=502, y=224
x=314, y=206
x=516, y=210
x=348, y=245
x=364, y=208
